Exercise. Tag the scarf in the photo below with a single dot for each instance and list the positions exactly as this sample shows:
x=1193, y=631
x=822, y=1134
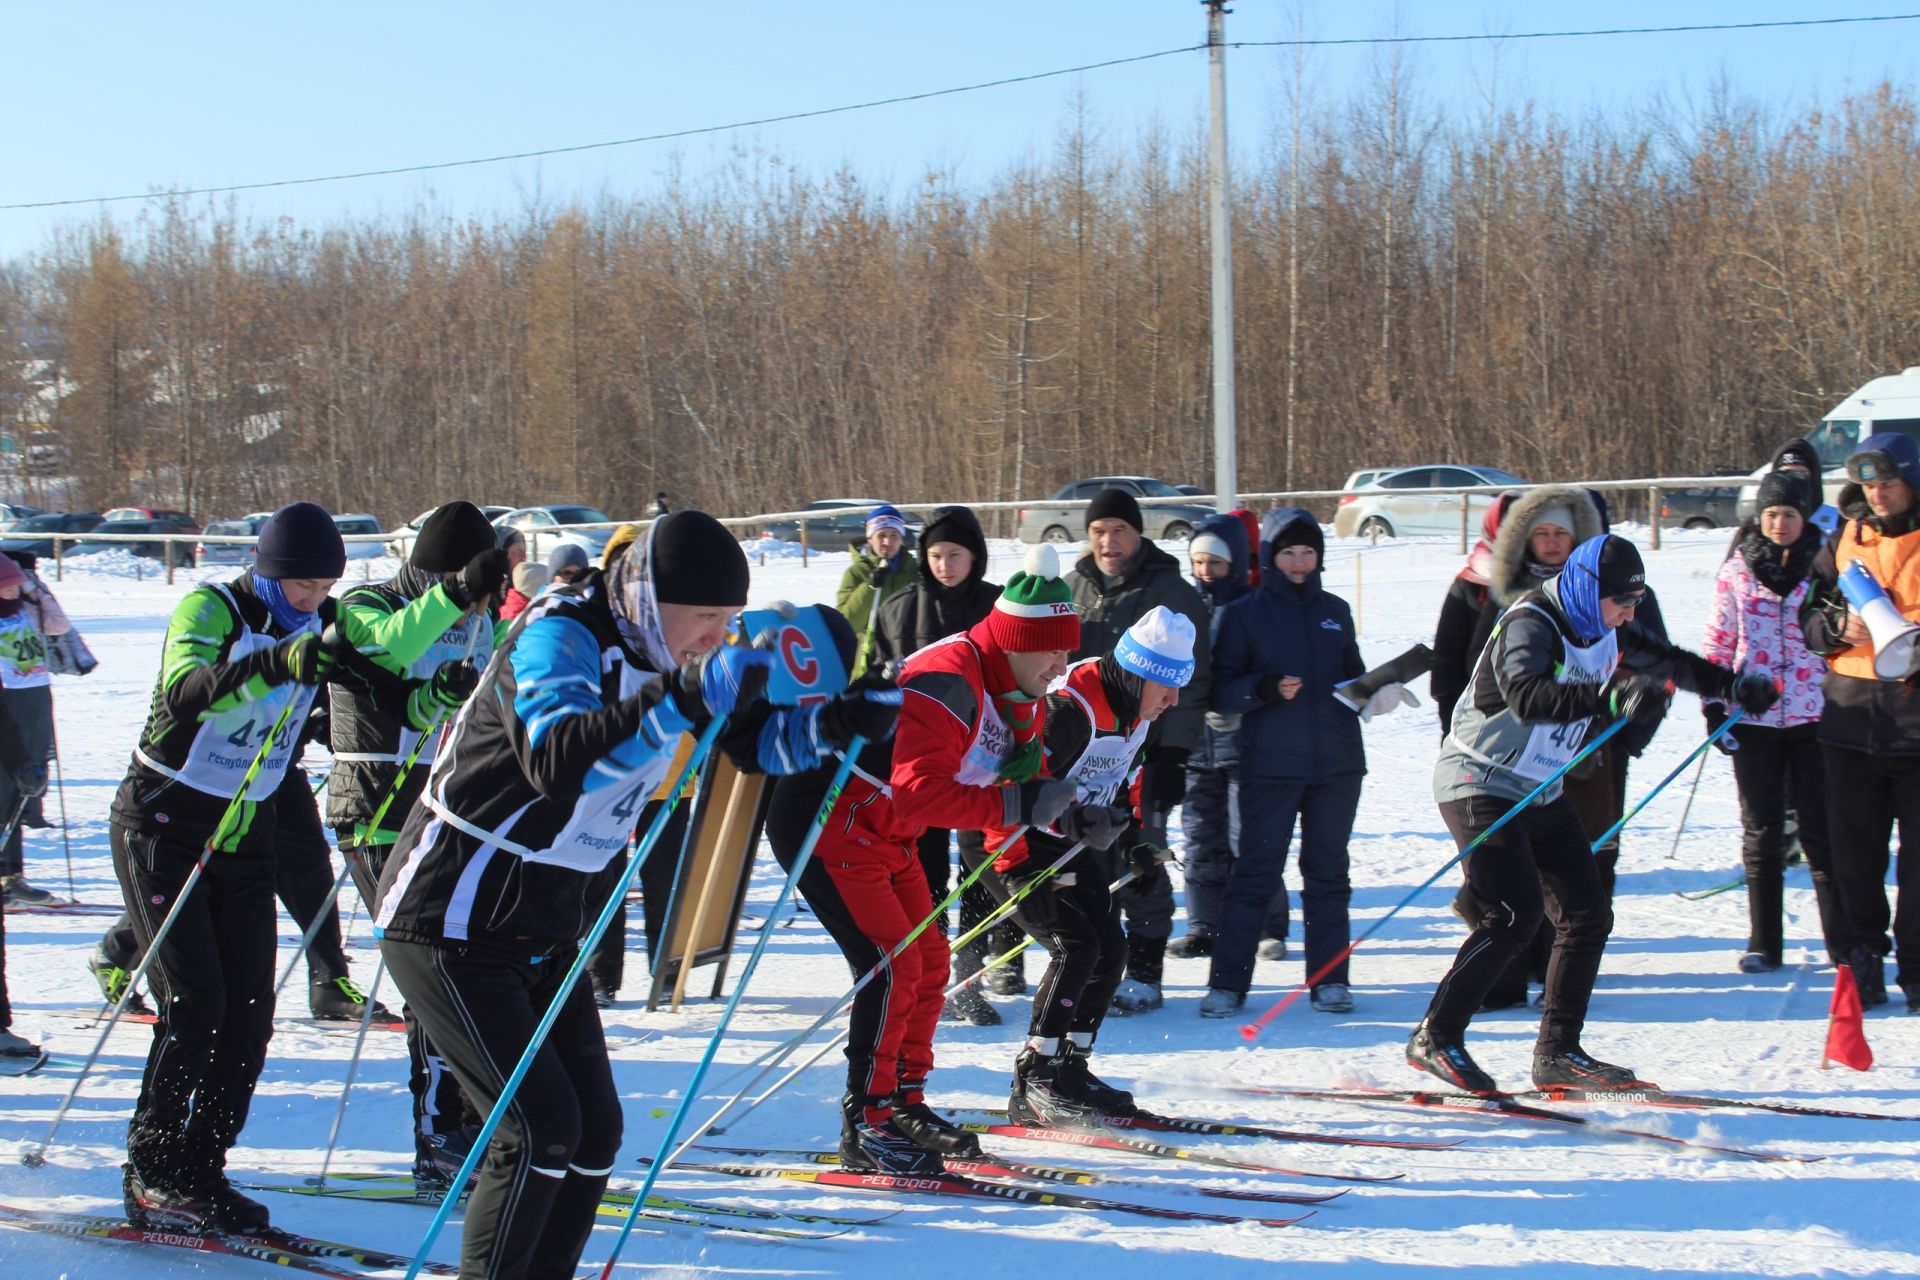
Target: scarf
x=289, y=618
x=1021, y=713
x=636, y=612
x=1780, y=569
x=1578, y=591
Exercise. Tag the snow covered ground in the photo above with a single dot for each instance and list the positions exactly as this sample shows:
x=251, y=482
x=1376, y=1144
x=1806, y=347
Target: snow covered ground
x=1511, y=1198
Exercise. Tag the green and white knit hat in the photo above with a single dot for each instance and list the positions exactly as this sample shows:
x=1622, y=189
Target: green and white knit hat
x=1035, y=610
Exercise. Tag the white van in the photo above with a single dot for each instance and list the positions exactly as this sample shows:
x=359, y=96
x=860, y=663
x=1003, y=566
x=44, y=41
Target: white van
x=1889, y=404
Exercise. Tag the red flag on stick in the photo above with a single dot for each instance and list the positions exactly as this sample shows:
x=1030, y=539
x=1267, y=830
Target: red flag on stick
x=1846, y=1034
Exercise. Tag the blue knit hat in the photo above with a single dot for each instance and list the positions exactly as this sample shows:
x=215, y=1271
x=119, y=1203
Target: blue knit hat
x=1159, y=648
x=886, y=516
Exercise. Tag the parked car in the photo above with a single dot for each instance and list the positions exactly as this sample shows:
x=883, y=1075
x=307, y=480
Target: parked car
x=549, y=527
x=1051, y=522
x=11, y=513
x=358, y=524
x=229, y=552
x=1360, y=479
x=400, y=545
x=1884, y=406
x=834, y=531
x=1701, y=507
x=1400, y=503
x=150, y=513
x=179, y=554
x=33, y=535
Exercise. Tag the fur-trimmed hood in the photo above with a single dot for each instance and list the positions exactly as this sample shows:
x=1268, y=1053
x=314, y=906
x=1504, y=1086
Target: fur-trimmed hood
x=1510, y=579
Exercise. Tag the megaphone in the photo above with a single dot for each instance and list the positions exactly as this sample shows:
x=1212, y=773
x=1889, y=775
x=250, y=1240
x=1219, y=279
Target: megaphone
x=1894, y=638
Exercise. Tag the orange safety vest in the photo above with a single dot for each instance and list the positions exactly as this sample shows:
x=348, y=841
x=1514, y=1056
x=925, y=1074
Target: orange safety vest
x=1895, y=562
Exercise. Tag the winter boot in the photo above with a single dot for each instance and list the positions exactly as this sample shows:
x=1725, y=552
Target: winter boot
x=1765, y=898
x=1039, y=1096
x=920, y=1122
x=1010, y=979
x=15, y=891
x=113, y=980
x=1333, y=997
x=967, y=1004
x=603, y=994
x=1758, y=962
x=1074, y=1076
x=1140, y=991
x=1273, y=949
x=437, y=1158
x=239, y=1214
x=1449, y=1060
x=156, y=1206
x=1911, y=990
x=1870, y=975
x=871, y=1142
x=1576, y=1069
x=339, y=1000
x=15, y=1046
x=1221, y=1003
x=1196, y=942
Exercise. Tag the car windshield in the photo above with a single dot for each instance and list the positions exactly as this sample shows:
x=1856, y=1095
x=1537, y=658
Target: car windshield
x=579, y=515
x=229, y=529
x=359, y=526
x=1159, y=489
x=1497, y=476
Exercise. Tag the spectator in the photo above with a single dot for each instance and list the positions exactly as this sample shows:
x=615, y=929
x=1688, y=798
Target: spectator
x=659, y=505
x=1467, y=614
x=566, y=563
x=529, y=577
x=514, y=543
x=26, y=728
x=880, y=568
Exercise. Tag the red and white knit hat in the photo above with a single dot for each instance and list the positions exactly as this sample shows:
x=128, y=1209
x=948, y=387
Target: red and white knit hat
x=1035, y=610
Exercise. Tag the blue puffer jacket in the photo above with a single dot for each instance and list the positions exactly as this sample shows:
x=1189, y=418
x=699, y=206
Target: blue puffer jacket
x=1216, y=749
x=1287, y=630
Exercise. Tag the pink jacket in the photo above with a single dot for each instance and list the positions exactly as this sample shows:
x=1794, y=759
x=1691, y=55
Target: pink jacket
x=1751, y=628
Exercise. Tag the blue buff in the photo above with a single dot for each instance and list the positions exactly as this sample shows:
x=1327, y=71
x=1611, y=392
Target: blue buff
x=1579, y=589
x=289, y=618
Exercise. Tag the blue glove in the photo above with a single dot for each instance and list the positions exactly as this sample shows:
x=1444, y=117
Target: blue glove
x=721, y=683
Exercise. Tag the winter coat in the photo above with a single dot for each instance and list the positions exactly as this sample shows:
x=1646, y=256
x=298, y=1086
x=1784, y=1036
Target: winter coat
x=1287, y=630
x=857, y=595
x=923, y=611
x=1862, y=712
x=1217, y=749
x=1106, y=611
x=1752, y=629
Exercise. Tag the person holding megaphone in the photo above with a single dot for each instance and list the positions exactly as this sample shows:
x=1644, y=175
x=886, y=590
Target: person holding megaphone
x=1861, y=616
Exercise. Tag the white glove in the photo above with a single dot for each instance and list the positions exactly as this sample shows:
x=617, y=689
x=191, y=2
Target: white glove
x=1223, y=722
x=1389, y=698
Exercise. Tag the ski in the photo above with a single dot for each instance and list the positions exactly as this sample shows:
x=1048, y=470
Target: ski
x=1700, y=895
x=998, y=1168
x=23, y=1064
x=1153, y=1122
x=1106, y=1140
x=953, y=1184
x=277, y=1248
x=1506, y=1104
x=1701, y=1101
x=64, y=909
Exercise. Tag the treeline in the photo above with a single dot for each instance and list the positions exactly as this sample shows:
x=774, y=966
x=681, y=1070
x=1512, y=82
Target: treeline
x=1636, y=295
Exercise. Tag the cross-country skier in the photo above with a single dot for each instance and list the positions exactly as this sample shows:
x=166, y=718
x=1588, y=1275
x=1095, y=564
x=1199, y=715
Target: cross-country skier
x=236, y=655
x=490, y=887
x=1563, y=656
x=1098, y=719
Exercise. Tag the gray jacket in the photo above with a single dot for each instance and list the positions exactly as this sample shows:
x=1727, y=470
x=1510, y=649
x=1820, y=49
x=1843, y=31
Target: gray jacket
x=1153, y=577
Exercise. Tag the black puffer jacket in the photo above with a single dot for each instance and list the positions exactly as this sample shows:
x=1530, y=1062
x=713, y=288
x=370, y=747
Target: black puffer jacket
x=926, y=611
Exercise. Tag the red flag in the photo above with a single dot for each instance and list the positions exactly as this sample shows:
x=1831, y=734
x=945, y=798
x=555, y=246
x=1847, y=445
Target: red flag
x=1846, y=1036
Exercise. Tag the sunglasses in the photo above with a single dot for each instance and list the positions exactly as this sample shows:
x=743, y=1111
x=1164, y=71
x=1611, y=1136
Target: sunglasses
x=1628, y=601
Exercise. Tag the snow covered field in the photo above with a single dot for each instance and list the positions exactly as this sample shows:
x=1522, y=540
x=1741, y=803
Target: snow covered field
x=1511, y=1198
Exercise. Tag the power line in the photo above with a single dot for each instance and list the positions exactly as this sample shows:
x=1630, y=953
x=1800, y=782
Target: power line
x=844, y=108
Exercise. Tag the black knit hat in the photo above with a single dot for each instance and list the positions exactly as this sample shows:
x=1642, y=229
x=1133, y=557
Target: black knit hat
x=1116, y=504
x=455, y=533
x=1797, y=453
x=1621, y=571
x=300, y=540
x=961, y=527
x=696, y=561
x=1785, y=489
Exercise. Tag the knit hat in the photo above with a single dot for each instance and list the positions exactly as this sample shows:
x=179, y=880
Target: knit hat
x=1560, y=516
x=11, y=574
x=566, y=556
x=529, y=576
x=1798, y=453
x=1116, y=504
x=696, y=561
x=1035, y=610
x=959, y=526
x=1209, y=544
x=622, y=538
x=300, y=540
x=1620, y=569
x=1158, y=648
x=451, y=535
x=1785, y=489
x=886, y=516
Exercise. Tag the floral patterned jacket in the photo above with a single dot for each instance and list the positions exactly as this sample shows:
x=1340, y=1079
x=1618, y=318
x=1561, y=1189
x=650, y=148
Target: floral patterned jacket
x=1750, y=628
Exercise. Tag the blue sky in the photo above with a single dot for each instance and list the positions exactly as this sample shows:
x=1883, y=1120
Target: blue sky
x=116, y=98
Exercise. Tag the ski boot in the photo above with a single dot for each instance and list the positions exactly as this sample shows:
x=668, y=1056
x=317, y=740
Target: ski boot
x=339, y=1000
x=1075, y=1077
x=437, y=1158
x=155, y=1206
x=17, y=1046
x=920, y=1122
x=239, y=1214
x=871, y=1142
x=1449, y=1060
x=113, y=980
x=15, y=891
x=1574, y=1068
x=1040, y=1097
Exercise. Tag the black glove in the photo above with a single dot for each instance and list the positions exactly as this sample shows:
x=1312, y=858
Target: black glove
x=1716, y=714
x=1095, y=825
x=878, y=578
x=722, y=683
x=309, y=656
x=1037, y=910
x=1037, y=802
x=870, y=707
x=453, y=683
x=1163, y=783
x=1635, y=696
x=1755, y=692
x=1146, y=853
x=1267, y=688
x=30, y=780
x=482, y=579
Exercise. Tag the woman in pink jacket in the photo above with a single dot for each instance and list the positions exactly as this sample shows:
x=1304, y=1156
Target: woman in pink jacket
x=1755, y=626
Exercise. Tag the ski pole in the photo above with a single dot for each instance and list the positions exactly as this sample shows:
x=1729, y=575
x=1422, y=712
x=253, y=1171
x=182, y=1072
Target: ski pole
x=665, y=1154
x=353, y=1069
x=1687, y=812
x=1734, y=717
x=701, y=747
x=1253, y=1029
x=66, y=836
x=37, y=1157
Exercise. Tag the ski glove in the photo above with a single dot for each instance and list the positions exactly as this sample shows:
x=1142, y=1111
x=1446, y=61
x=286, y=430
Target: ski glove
x=870, y=707
x=1635, y=696
x=1755, y=692
x=30, y=780
x=878, y=578
x=1037, y=802
x=722, y=682
x=1716, y=714
x=1095, y=825
x=308, y=657
x=1146, y=853
x=1388, y=698
x=481, y=580
x=453, y=683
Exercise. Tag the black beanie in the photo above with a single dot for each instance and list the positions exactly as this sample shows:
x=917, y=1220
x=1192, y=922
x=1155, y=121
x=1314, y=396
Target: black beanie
x=1797, y=453
x=300, y=540
x=694, y=560
x=961, y=527
x=1116, y=504
x=1622, y=572
x=455, y=533
x=1785, y=489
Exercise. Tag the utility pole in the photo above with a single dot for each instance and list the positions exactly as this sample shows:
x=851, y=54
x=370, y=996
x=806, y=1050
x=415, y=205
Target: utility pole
x=1225, y=450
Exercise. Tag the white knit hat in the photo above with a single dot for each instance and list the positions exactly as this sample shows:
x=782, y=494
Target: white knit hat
x=1209, y=544
x=1159, y=648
